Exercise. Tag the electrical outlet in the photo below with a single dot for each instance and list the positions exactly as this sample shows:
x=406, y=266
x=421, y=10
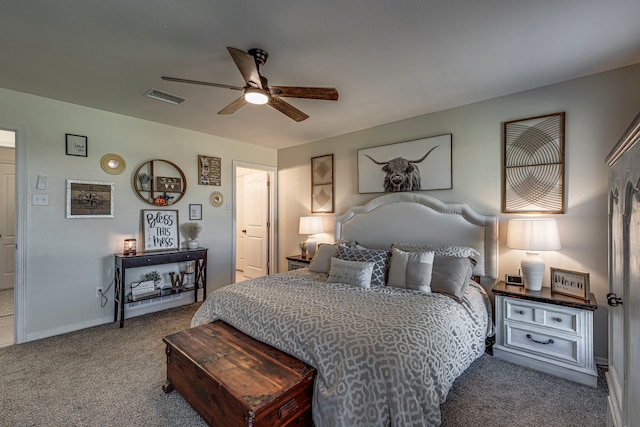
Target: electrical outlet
x=98, y=292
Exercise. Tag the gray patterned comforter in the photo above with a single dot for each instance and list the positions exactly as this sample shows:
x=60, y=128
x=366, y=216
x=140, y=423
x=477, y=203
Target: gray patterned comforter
x=384, y=356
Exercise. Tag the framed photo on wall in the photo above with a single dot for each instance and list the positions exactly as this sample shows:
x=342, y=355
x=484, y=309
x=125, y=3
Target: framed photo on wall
x=571, y=283
x=76, y=145
x=322, y=196
x=195, y=212
x=421, y=164
x=160, y=230
x=533, y=156
x=89, y=199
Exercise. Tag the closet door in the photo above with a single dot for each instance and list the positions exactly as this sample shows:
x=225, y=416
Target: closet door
x=623, y=377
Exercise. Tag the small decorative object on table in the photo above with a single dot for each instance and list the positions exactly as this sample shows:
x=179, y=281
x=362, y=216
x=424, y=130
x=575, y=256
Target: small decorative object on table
x=192, y=230
x=129, y=247
x=154, y=276
x=176, y=282
x=571, y=283
x=303, y=250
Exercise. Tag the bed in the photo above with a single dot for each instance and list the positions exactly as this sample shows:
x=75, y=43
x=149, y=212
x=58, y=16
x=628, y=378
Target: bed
x=385, y=354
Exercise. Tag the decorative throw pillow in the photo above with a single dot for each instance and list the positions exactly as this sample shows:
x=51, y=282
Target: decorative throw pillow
x=447, y=250
x=451, y=275
x=321, y=261
x=379, y=257
x=410, y=270
x=351, y=272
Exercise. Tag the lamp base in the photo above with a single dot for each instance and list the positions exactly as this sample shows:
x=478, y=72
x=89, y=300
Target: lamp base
x=311, y=246
x=532, y=271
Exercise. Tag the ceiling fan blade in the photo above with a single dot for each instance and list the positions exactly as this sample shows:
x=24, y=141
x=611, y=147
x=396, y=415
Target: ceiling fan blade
x=325, y=93
x=234, y=106
x=196, y=82
x=288, y=109
x=247, y=66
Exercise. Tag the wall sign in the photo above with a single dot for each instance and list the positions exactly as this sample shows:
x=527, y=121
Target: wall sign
x=89, y=199
x=571, y=283
x=160, y=230
x=209, y=170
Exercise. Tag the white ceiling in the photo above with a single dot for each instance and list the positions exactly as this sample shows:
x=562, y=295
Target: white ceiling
x=389, y=60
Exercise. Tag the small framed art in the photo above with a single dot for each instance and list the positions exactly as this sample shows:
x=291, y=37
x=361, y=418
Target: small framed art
x=195, y=212
x=322, y=184
x=76, y=145
x=89, y=199
x=571, y=283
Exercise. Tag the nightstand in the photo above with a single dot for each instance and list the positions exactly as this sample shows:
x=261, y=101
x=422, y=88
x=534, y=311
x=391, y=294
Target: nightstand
x=296, y=262
x=546, y=331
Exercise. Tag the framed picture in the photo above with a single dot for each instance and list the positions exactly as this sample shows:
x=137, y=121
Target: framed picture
x=169, y=184
x=76, y=145
x=209, y=170
x=322, y=184
x=533, y=173
x=160, y=230
x=421, y=164
x=89, y=199
x=571, y=283
x=195, y=212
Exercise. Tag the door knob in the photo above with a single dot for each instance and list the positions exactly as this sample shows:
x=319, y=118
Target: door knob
x=613, y=300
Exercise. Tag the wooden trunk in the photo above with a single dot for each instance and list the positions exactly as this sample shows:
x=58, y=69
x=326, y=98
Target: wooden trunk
x=231, y=379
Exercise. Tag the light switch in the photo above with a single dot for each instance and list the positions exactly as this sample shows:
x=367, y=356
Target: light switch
x=41, y=184
x=40, y=199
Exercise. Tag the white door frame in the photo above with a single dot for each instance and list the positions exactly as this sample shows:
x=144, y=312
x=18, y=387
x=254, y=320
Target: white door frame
x=273, y=214
x=21, y=206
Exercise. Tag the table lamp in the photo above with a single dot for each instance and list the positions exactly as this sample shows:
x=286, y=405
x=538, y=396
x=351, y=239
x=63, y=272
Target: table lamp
x=533, y=235
x=311, y=225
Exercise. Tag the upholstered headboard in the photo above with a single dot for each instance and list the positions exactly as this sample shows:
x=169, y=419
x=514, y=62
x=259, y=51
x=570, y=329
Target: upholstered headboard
x=421, y=219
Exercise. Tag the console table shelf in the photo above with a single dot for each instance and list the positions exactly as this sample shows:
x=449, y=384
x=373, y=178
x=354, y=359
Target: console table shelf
x=141, y=259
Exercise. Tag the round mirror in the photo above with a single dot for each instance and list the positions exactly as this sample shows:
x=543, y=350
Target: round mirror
x=216, y=198
x=113, y=164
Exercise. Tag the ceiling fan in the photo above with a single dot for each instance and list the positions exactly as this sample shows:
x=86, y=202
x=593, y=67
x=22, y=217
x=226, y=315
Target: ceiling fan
x=257, y=89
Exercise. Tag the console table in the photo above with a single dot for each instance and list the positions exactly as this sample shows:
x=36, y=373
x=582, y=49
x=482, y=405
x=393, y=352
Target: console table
x=141, y=259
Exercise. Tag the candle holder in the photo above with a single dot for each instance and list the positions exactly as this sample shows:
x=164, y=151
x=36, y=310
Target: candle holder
x=129, y=247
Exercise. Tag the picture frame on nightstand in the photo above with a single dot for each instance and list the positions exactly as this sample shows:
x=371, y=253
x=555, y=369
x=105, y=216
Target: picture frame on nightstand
x=571, y=283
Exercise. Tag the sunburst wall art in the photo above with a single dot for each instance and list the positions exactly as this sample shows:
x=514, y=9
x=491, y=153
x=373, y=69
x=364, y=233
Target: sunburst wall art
x=322, y=184
x=534, y=165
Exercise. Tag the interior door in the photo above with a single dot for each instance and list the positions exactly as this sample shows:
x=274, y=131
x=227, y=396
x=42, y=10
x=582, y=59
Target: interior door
x=241, y=231
x=256, y=222
x=631, y=309
x=7, y=217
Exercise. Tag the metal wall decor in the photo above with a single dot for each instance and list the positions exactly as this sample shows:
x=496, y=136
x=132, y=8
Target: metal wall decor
x=533, y=158
x=322, y=196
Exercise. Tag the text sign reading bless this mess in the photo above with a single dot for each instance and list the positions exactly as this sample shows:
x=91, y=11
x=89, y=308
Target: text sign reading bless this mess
x=160, y=229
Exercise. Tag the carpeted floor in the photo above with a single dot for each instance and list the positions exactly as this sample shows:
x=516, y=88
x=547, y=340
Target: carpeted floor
x=106, y=376
x=6, y=302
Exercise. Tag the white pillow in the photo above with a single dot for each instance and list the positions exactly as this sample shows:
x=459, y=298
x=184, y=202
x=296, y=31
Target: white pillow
x=351, y=272
x=411, y=270
x=321, y=261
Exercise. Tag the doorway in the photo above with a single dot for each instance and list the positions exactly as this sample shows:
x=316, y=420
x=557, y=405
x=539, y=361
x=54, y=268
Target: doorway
x=7, y=236
x=254, y=218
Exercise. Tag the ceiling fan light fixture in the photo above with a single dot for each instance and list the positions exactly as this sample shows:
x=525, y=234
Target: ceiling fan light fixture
x=256, y=96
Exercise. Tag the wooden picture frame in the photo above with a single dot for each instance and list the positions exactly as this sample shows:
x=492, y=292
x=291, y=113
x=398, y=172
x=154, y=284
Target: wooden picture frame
x=209, y=170
x=571, y=283
x=430, y=161
x=160, y=230
x=322, y=194
x=77, y=145
x=195, y=212
x=89, y=199
x=533, y=165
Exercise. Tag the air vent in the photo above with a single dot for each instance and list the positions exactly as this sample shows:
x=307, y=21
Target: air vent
x=164, y=96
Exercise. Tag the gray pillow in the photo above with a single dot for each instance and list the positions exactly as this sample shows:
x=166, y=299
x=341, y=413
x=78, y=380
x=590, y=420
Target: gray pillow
x=447, y=250
x=321, y=261
x=379, y=257
x=411, y=270
x=351, y=272
x=451, y=275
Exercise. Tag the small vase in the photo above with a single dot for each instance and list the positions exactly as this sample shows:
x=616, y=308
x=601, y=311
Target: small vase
x=303, y=254
x=193, y=244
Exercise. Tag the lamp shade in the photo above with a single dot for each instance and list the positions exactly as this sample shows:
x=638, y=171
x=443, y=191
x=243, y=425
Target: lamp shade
x=535, y=234
x=310, y=225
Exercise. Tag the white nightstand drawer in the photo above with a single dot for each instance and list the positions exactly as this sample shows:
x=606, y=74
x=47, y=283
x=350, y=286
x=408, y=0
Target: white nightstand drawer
x=554, y=317
x=548, y=345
